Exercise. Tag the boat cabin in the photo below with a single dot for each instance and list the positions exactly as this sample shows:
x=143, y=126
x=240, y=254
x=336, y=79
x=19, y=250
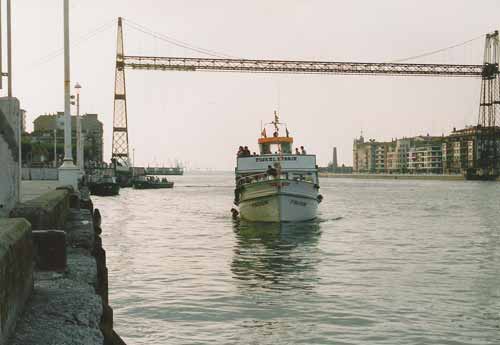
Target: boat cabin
x=275, y=145
x=277, y=151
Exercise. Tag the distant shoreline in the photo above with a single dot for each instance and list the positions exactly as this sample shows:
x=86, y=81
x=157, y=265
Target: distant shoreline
x=394, y=176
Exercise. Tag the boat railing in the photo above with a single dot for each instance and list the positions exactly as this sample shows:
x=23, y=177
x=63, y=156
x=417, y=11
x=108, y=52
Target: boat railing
x=254, y=178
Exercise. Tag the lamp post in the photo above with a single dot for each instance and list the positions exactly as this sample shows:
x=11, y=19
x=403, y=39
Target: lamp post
x=79, y=144
x=68, y=172
x=55, y=148
x=133, y=161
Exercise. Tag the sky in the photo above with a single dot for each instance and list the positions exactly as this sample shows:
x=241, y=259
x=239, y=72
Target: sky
x=201, y=118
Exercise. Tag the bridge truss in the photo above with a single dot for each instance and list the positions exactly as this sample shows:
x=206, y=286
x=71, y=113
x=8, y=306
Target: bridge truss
x=298, y=67
x=488, y=72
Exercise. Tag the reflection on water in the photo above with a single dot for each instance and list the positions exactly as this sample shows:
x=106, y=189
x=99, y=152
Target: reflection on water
x=275, y=256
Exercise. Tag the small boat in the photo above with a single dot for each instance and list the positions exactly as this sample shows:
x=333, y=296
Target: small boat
x=150, y=182
x=103, y=186
x=277, y=185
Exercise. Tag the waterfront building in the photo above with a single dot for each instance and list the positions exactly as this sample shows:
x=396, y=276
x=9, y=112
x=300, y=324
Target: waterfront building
x=364, y=155
x=421, y=154
x=50, y=127
x=381, y=157
x=461, y=147
x=357, y=162
x=425, y=155
x=459, y=151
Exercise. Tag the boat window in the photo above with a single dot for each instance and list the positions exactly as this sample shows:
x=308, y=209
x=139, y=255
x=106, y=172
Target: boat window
x=265, y=149
x=286, y=148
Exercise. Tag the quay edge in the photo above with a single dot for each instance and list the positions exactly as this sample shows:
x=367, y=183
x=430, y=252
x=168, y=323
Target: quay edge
x=69, y=306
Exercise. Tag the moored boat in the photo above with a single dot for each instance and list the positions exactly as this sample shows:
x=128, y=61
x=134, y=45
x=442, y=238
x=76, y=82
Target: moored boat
x=150, y=182
x=103, y=186
x=277, y=185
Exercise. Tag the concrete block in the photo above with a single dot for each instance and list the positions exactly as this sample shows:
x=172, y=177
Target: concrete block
x=48, y=211
x=69, y=174
x=50, y=250
x=9, y=154
x=16, y=272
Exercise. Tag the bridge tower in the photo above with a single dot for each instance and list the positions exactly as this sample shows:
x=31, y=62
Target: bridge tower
x=120, y=149
x=488, y=130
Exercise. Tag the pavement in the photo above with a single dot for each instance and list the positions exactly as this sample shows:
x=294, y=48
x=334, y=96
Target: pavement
x=33, y=189
x=64, y=308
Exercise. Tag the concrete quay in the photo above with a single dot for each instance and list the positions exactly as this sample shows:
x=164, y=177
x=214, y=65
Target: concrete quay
x=53, y=274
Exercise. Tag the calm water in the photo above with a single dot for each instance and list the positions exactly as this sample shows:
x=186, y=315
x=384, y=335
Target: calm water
x=388, y=262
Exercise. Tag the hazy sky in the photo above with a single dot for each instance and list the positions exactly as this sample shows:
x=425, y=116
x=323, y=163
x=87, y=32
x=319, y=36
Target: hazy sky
x=203, y=117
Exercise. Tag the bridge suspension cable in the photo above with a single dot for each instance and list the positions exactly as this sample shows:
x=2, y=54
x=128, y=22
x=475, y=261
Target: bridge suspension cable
x=174, y=41
x=437, y=51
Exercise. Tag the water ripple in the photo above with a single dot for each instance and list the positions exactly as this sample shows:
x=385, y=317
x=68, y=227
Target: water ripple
x=387, y=262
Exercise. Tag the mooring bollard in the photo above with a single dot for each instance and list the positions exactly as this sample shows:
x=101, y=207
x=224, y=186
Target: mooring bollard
x=97, y=221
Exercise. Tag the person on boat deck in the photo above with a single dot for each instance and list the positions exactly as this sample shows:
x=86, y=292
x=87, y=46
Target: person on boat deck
x=240, y=151
x=275, y=134
x=246, y=152
x=271, y=171
x=303, y=151
x=297, y=152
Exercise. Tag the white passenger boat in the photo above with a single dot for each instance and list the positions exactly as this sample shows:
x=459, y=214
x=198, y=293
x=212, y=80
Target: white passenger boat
x=277, y=185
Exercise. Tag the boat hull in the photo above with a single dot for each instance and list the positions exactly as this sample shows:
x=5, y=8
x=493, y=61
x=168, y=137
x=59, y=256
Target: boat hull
x=279, y=201
x=104, y=189
x=147, y=185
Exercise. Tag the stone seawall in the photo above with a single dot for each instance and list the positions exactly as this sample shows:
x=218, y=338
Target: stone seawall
x=48, y=211
x=9, y=154
x=69, y=303
x=16, y=272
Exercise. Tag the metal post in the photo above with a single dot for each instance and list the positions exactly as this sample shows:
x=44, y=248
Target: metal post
x=9, y=46
x=133, y=161
x=68, y=155
x=20, y=152
x=1, y=46
x=55, y=147
x=68, y=172
x=79, y=148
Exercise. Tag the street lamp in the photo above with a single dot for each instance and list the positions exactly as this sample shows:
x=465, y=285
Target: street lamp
x=79, y=140
x=68, y=172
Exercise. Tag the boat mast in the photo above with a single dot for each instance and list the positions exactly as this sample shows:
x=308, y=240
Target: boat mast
x=280, y=151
